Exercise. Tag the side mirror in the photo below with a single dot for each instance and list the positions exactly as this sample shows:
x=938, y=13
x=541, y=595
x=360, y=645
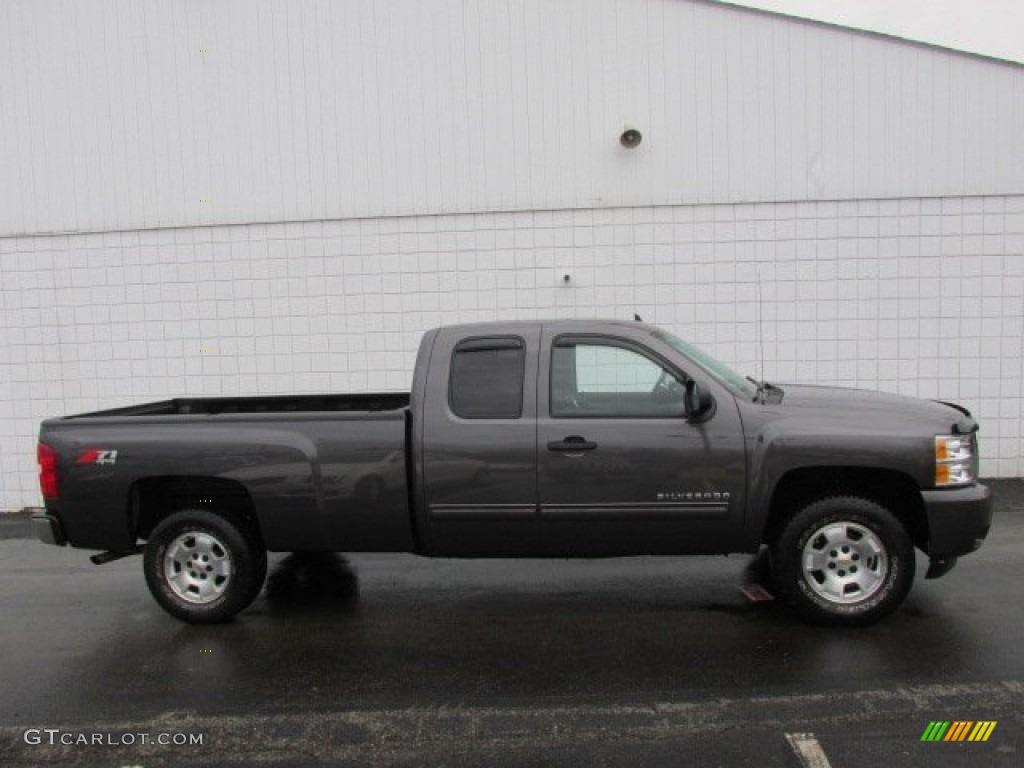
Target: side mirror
x=698, y=399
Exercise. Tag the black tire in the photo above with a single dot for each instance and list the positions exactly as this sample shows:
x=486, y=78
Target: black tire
x=859, y=561
x=197, y=590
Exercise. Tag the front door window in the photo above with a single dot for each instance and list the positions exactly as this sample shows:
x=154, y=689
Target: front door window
x=593, y=380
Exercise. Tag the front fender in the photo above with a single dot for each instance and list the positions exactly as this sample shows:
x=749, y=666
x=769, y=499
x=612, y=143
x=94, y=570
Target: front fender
x=782, y=448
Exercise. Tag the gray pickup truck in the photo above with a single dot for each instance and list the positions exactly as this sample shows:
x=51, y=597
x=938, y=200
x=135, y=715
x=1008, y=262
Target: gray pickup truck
x=528, y=439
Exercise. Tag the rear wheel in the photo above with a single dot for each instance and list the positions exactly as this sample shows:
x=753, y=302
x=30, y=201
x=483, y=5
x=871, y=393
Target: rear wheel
x=844, y=560
x=203, y=568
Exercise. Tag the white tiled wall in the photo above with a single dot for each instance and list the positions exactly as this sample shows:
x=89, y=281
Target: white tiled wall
x=919, y=296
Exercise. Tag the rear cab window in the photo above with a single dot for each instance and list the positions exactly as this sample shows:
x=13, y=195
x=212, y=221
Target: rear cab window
x=486, y=380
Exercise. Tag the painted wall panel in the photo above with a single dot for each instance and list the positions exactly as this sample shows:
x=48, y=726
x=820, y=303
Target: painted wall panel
x=133, y=115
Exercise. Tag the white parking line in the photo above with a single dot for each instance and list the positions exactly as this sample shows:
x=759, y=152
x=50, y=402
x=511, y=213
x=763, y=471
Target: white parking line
x=808, y=750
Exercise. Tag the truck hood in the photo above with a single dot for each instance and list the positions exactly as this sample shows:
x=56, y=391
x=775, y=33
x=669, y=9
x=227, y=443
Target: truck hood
x=863, y=405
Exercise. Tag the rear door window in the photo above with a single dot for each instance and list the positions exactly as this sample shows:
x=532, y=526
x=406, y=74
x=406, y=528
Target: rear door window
x=487, y=378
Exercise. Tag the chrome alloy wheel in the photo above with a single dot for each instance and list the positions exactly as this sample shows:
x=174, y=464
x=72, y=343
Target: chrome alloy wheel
x=844, y=562
x=197, y=567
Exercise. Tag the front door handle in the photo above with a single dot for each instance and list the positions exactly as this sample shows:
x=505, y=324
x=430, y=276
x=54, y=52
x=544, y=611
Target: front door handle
x=572, y=444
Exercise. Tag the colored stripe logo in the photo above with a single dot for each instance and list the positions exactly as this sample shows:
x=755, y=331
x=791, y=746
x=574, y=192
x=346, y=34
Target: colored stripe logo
x=958, y=730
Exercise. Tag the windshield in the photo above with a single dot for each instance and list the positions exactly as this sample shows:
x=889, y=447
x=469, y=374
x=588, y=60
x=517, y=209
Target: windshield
x=722, y=373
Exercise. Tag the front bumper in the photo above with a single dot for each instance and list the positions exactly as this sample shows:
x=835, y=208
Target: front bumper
x=958, y=519
x=48, y=529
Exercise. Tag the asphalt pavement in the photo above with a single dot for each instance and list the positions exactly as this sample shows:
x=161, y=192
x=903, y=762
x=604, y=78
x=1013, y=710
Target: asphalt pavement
x=398, y=660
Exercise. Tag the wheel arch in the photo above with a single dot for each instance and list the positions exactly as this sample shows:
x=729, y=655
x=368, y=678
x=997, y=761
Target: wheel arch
x=894, y=490
x=152, y=499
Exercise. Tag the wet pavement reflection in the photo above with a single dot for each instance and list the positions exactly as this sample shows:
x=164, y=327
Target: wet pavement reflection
x=312, y=581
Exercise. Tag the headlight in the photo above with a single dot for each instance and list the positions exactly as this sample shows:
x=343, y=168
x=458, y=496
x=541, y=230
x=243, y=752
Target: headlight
x=954, y=460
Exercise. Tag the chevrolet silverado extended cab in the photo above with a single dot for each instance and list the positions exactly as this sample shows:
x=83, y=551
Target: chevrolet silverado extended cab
x=528, y=439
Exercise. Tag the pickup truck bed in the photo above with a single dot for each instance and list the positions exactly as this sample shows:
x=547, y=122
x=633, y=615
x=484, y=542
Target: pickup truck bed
x=302, y=462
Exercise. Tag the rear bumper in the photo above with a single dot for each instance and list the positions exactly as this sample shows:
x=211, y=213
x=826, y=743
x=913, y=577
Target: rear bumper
x=958, y=519
x=48, y=529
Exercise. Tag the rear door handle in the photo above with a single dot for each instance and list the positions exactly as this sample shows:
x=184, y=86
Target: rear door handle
x=571, y=444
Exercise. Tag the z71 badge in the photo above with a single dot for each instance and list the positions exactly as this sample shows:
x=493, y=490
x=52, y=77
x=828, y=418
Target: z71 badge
x=94, y=456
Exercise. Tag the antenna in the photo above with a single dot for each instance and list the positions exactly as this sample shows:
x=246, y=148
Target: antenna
x=760, y=335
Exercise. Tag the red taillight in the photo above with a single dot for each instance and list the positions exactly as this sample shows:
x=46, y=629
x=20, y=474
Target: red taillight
x=47, y=458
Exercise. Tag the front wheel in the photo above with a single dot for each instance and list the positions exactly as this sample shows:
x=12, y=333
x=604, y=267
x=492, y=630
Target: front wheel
x=202, y=568
x=844, y=560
